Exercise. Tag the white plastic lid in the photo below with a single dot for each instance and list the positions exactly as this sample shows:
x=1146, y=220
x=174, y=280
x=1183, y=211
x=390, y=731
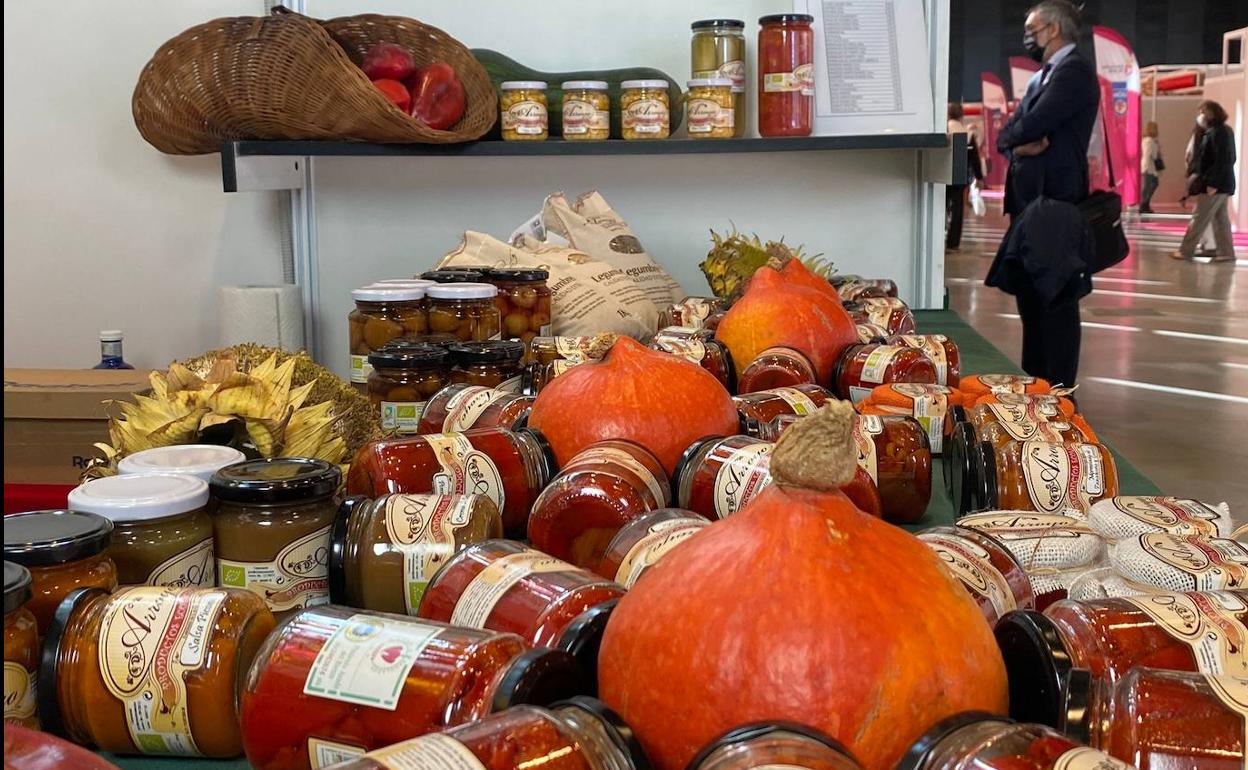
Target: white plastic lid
x=388, y=293
x=463, y=291
x=523, y=85
x=111, y=335
x=703, y=82
x=403, y=282
x=199, y=460
x=584, y=85
x=140, y=496
x=644, y=84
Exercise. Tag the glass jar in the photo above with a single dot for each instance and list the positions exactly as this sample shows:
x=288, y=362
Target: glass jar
x=895, y=452
x=1042, y=476
x=977, y=385
x=644, y=109
x=862, y=367
x=404, y=377
x=929, y=404
x=457, y=408
x=978, y=741
x=700, y=347
x=852, y=287
x=775, y=745
x=506, y=586
x=1129, y=516
x=162, y=533
x=198, y=460
x=552, y=356
x=152, y=669
x=586, y=110
x=455, y=275
x=692, y=312
x=523, y=299
x=272, y=529
x=869, y=332
x=577, y=734
x=509, y=467
x=21, y=649
x=383, y=552
x=711, y=108
x=602, y=488
x=1050, y=547
x=942, y=350
x=718, y=51
x=1157, y=720
x=1048, y=405
x=786, y=75
x=642, y=542
x=777, y=367
x=493, y=364
x=1200, y=632
x=763, y=406
x=716, y=477
x=465, y=310
x=885, y=312
x=1000, y=423
x=382, y=315
x=522, y=110
x=332, y=683
x=63, y=550
x=984, y=567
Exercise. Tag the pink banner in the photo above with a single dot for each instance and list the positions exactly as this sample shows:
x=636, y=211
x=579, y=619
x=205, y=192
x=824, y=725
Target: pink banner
x=1116, y=137
x=1022, y=70
x=995, y=112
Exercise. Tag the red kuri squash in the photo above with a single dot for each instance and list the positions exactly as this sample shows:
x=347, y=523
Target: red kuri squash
x=795, y=272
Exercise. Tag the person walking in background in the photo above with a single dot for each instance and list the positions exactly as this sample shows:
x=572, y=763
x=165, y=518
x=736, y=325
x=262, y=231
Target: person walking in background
x=1213, y=183
x=955, y=194
x=1191, y=157
x=1151, y=165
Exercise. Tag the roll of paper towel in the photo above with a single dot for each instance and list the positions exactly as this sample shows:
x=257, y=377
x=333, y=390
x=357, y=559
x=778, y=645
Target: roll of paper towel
x=268, y=315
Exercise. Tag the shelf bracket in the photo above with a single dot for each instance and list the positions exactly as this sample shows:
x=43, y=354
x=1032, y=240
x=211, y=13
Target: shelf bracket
x=254, y=173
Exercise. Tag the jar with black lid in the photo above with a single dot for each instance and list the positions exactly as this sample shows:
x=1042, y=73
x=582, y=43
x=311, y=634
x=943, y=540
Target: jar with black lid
x=976, y=740
x=774, y=745
x=718, y=51
x=523, y=301
x=494, y=364
x=404, y=377
x=454, y=275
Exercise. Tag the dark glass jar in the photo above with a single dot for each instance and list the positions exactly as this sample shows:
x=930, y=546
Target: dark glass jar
x=979, y=741
x=777, y=367
x=382, y=314
x=984, y=567
x=774, y=745
x=64, y=550
x=786, y=76
x=642, y=542
x=494, y=364
x=942, y=350
x=717, y=476
x=523, y=301
x=1042, y=476
x=862, y=367
x=21, y=649
x=887, y=312
x=404, y=378
x=895, y=452
x=460, y=407
x=700, y=347
x=764, y=406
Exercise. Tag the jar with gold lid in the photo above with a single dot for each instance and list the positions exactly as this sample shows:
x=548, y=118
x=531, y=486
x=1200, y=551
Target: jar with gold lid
x=522, y=107
x=586, y=110
x=710, y=109
x=644, y=109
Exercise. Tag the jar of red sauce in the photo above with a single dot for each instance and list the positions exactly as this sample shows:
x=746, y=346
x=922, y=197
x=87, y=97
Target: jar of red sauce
x=929, y=404
x=774, y=745
x=777, y=367
x=1157, y=720
x=1000, y=423
x=601, y=489
x=700, y=347
x=642, y=542
x=1042, y=476
x=887, y=312
x=717, y=476
x=869, y=332
x=786, y=75
x=895, y=453
x=862, y=367
x=851, y=287
x=332, y=683
x=980, y=741
x=460, y=407
x=984, y=567
x=693, y=312
x=763, y=406
x=977, y=385
x=1202, y=632
x=942, y=350
x=509, y=467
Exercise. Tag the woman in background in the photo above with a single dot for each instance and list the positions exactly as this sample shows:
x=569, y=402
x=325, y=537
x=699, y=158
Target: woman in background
x=955, y=194
x=1213, y=183
x=1150, y=154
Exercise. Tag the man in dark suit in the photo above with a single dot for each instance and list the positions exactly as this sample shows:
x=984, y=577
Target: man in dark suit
x=1046, y=140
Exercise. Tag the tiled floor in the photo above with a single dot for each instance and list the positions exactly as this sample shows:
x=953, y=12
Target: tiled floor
x=1164, y=370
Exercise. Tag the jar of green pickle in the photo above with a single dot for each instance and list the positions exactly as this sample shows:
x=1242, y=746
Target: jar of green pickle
x=405, y=375
x=465, y=310
x=494, y=364
x=718, y=51
x=382, y=314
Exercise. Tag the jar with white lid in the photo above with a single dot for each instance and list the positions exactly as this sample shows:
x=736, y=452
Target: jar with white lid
x=198, y=460
x=383, y=313
x=403, y=282
x=709, y=108
x=644, y=109
x=466, y=311
x=586, y=110
x=522, y=110
x=162, y=533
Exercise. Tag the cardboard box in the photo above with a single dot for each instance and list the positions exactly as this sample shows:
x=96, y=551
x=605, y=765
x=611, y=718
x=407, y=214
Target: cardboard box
x=52, y=417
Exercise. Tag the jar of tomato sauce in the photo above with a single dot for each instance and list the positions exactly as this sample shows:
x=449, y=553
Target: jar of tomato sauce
x=942, y=350
x=929, y=404
x=601, y=489
x=691, y=312
x=774, y=745
x=332, y=683
x=21, y=649
x=777, y=367
x=984, y=567
x=895, y=453
x=886, y=312
x=786, y=76
x=862, y=367
x=869, y=332
x=977, y=385
x=642, y=542
x=1042, y=476
x=1202, y=632
x=700, y=347
x=979, y=741
x=999, y=423
x=509, y=467
x=717, y=476
x=457, y=408
x=760, y=407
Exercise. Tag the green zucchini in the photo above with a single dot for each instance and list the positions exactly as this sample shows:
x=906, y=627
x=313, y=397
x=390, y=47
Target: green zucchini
x=501, y=68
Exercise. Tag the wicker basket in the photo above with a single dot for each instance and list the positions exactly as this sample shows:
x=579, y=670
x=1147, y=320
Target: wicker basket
x=287, y=76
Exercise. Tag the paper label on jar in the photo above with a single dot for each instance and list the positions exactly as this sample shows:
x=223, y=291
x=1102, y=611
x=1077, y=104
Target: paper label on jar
x=866, y=426
x=972, y=566
x=706, y=115
x=465, y=471
x=581, y=117
x=694, y=312
x=19, y=695
x=1183, y=517
x=930, y=407
x=858, y=394
x=645, y=116
x=1212, y=564
x=484, y=591
x=732, y=70
x=1006, y=383
x=428, y=752
x=1084, y=758
x=402, y=416
x=742, y=476
x=801, y=80
x=1059, y=476
x=151, y=639
x=934, y=346
x=465, y=407
x=525, y=117
x=562, y=365
x=681, y=341
x=192, y=568
x=877, y=362
x=367, y=659
x=799, y=359
x=609, y=454
x=423, y=528
x=652, y=546
x=323, y=753
x=298, y=577
x=801, y=404
x=1206, y=623
x=879, y=310
x=360, y=368
x=572, y=348
x=511, y=385
x=1022, y=425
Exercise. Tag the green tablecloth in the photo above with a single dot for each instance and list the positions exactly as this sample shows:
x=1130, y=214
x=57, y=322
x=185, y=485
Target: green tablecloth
x=978, y=356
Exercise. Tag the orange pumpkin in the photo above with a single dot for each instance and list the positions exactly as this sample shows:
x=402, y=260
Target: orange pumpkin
x=655, y=399
x=799, y=607
x=797, y=273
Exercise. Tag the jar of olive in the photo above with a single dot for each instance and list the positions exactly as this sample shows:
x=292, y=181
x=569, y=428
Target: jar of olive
x=586, y=110
x=523, y=301
x=494, y=364
x=404, y=377
x=522, y=105
x=709, y=108
x=454, y=275
x=466, y=310
x=644, y=109
x=382, y=315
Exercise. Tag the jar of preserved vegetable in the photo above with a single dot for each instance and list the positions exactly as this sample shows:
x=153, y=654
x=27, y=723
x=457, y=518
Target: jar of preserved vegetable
x=404, y=377
x=580, y=733
x=718, y=51
x=929, y=404
x=942, y=350
x=455, y=275
x=1155, y=719
x=1042, y=476
x=692, y=312
x=711, y=109
x=382, y=315
x=552, y=356
x=506, y=586
x=777, y=367
x=162, y=534
x=272, y=529
x=509, y=467
x=21, y=649
x=493, y=364
x=151, y=670
x=522, y=109
x=773, y=745
x=1048, y=405
x=601, y=489
x=984, y=567
x=895, y=452
x=466, y=310
x=63, y=550
x=640, y=543
x=586, y=110
x=869, y=332
x=523, y=301
x=999, y=423
x=978, y=385
x=716, y=477
x=761, y=407
x=332, y=683
x=852, y=287
x=457, y=408
x=384, y=551
x=644, y=109
x=198, y=460
x=1129, y=516
x=700, y=347
x=862, y=367
x=786, y=75
x=886, y=312
x=979, y=741
x=1200, y=632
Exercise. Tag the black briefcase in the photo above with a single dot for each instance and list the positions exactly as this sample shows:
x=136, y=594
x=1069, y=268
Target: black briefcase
x=1103, y=212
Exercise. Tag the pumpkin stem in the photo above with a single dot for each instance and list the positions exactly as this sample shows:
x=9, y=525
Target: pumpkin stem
x=599, y=345
x=817, y=452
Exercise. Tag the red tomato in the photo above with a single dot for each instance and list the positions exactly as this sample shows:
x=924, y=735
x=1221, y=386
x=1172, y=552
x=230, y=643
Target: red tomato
x=438, y=98
x=395, y=92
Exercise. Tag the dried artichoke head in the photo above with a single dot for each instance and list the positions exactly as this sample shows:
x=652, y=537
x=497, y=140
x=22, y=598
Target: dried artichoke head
x=734, y=258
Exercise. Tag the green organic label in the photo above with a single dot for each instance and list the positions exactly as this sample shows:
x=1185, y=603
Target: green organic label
x=234, y=576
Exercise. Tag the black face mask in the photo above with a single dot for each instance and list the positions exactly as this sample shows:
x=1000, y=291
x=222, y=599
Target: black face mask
x=1033, y=47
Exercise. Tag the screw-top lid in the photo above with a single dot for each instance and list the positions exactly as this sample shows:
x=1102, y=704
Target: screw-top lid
x=786, y=18
x=276, y=480
x=583, y=637
x=403, y=282
x=539, y=677
x=338, y=548
x=717, y=24
x=409, y=355
x=523, y=85
x=584, y=85
x=686, y=459
x=986, y=488
x=49, y=703
x=1076, y=712
x=548, y=452
x=16, y=586
x=199, y=460
x=613, y=725
x=955, y=415
x=1036, y=663
x=388, y=293
x=45, y=538
x=520, y=273
x=462, y=291
x=491, y=351
x=111, y=335
x=139, y=497
x=754, y=730
x=708, y=82
x=916, y=758
x=964, y=469
x=454, y=275
x=644, y=84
